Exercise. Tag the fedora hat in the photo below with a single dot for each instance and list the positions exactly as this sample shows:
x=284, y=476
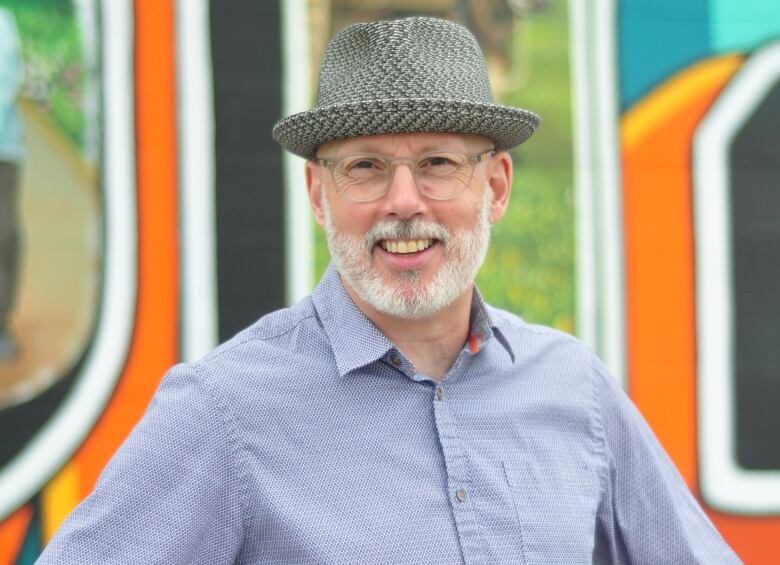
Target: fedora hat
x=416, y=74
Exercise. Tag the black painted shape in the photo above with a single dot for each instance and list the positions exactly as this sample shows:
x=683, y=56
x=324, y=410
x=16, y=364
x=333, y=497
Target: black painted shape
x=755, y=216
x=247, y=74
x=21, y=422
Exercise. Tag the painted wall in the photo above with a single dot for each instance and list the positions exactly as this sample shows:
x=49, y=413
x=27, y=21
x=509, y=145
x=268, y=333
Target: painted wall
x=699, y=94
x=644, y=218
x=144, y=191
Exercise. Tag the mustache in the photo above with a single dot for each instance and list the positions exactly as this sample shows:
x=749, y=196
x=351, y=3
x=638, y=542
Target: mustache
x=415, y=228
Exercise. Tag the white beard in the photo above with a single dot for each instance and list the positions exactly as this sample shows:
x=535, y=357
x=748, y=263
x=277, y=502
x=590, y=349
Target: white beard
x=407, y=296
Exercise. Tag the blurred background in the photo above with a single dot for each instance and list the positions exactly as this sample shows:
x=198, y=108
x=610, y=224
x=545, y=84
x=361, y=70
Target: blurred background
x=146, y=215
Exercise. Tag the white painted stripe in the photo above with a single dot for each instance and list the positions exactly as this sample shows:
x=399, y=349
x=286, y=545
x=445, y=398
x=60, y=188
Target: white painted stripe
x=724, y=483
x=195, y=106
x=299, y=248
x=612, y=301
x=600, y=265
x=105, y=360
x=584, y=160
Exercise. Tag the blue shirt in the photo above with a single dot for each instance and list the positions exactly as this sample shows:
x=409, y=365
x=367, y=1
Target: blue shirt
x=309, y=438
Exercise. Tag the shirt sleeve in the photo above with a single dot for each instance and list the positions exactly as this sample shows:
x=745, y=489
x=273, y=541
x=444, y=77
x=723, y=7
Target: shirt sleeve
x=171, y=494
x=647, y=514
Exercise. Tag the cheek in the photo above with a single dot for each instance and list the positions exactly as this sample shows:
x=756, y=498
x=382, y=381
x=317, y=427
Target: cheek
x=352, y=219
x=462, y=217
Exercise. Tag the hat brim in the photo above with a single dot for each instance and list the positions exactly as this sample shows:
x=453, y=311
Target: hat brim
x=303, y=133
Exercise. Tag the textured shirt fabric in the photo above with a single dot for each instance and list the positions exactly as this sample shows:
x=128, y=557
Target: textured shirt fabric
x=309, y=438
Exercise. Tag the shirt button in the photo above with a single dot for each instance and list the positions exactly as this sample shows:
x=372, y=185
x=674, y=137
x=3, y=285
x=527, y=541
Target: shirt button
x=395, y=360
x=460, y=494
x=439, y=393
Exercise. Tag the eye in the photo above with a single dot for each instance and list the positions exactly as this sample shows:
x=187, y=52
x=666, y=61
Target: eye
x=362, y=164
x=437, y=161
x=440, y=164
x=361, y=167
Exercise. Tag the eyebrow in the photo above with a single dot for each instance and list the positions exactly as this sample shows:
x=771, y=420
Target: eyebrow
x=425, y=149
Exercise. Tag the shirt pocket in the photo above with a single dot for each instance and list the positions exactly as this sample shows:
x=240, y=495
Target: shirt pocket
x=555, y=507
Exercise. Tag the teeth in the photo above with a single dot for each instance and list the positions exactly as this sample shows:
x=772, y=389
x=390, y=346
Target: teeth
x=403, y=246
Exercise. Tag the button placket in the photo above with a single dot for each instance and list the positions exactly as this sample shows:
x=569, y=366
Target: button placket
x=468, y=523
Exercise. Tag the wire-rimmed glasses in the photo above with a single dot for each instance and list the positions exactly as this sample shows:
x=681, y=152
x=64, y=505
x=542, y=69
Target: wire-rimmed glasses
x=439, y=175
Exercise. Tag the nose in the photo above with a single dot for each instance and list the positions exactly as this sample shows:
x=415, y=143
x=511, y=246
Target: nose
x=403, y=200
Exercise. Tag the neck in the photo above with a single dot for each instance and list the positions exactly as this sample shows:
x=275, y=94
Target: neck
x=432, y=343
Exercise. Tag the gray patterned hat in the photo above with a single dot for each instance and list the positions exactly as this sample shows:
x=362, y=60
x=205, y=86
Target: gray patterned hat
x=412, y=75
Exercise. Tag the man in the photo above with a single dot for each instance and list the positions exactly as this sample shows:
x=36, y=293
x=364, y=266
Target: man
x=393, y=416
x=10, y=156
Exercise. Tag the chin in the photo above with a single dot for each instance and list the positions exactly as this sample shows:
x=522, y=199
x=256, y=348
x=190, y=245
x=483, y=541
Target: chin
x=406, y=294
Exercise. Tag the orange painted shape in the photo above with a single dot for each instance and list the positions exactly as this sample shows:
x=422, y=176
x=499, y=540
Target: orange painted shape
x=12, y=532
x=155, y=339
x=756, y=540
x=656, y=139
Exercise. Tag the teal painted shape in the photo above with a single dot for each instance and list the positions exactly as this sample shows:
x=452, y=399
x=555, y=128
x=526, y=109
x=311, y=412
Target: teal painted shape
x=655, y=40
x=31, y=547
x=743, y=25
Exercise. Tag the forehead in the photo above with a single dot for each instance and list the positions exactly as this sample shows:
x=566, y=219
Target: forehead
x=393, y=144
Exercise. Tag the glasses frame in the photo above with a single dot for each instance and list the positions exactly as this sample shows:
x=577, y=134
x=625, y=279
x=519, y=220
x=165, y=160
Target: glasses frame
x=392, y=162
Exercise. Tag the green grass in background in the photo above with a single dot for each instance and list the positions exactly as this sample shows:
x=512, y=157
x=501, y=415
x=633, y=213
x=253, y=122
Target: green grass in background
x=53, y=69
x=530, y=267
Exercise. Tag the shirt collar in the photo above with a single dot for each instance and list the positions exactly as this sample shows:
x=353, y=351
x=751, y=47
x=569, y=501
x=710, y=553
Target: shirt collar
x=357, y=342
x=482, y=327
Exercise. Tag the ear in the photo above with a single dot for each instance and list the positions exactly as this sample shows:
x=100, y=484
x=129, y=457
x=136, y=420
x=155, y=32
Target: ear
x=314, y=187
x=500, y=182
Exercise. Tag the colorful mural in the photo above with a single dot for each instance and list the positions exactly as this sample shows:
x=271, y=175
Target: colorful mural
x=671, y=166
x=699, y=148
x=56, y=441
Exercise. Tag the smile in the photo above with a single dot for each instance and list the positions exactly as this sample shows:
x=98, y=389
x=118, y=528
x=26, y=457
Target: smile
x=404, y=246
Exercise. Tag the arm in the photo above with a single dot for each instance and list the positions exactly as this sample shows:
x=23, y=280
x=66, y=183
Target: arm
x=647, y=515
x=171, y=494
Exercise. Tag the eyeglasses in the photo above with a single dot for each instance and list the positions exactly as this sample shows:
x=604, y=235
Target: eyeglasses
x=439, y=175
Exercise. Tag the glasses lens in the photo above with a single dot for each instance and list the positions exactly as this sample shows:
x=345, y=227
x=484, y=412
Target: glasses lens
x=361, y=178
x=365, y=177
x=443, y=175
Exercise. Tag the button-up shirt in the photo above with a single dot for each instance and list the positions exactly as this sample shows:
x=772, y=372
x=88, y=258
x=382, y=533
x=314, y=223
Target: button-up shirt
x=310, y=438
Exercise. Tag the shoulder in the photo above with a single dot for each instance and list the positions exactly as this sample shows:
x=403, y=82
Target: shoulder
x=536, y=339
x=269, y=329
x=278, y=346
x=558, y=366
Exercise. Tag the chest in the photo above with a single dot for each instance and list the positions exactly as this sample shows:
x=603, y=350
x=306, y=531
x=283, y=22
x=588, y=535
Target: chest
x=406, y=475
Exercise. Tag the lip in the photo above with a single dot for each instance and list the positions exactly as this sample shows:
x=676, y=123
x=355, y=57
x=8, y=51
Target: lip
x=407, y=261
